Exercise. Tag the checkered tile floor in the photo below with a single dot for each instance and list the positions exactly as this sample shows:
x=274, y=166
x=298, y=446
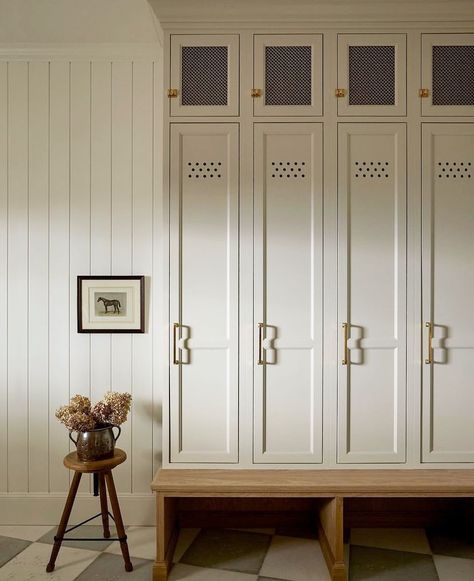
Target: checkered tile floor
x=242, y=555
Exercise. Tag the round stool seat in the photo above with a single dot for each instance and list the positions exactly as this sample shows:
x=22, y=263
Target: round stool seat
x=72, y=462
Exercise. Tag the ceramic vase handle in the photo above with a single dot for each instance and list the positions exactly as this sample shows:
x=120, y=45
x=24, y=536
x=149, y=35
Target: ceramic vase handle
x=72, y=439
x=119, y=432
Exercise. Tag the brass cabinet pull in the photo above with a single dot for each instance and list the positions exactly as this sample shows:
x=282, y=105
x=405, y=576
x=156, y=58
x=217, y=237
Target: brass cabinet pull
x=256, y=93
x=260, y=344
x=429, y=359
x=176, y=361
x=345, y=358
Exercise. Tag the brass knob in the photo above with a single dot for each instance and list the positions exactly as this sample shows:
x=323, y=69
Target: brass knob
x=340, y=92
x=172, y=93
x=256, y=93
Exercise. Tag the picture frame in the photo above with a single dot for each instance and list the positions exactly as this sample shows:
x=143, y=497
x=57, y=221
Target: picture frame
x=111, y=304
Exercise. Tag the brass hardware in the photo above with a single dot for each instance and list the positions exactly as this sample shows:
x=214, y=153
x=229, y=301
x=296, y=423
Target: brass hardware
x=256, y=93
x=176, y=361
x=423, y=93
x=345, y=359
x=340, y=92
x=260, y=342
x=172, y=93
x=429, y=359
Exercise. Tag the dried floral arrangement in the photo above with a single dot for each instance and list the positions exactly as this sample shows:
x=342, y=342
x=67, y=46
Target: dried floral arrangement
x=81, y=416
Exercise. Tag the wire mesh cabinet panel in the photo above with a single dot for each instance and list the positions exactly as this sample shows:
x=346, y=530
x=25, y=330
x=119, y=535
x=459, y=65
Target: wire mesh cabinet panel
x=288, y=74
x=372, y=74
x=204, y=75
x=448, y=74
x=448, y=288
x=372, y=293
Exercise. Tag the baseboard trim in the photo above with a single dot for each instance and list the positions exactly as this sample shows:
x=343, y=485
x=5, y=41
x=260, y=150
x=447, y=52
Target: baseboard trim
x=46, y=509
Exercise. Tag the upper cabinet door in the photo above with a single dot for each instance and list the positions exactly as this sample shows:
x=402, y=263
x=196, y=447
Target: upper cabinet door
x=288, y=74
x=448, y=74
x=372, y=74
x=205, y=74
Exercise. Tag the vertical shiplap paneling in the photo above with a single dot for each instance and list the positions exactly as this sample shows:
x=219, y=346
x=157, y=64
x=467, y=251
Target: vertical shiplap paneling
x=3, y=275
x=59, y=297
x=38, y=274
x=122, y=237
x=80, y=217
x=142, y=430
x=100, y=211
x=18, y=277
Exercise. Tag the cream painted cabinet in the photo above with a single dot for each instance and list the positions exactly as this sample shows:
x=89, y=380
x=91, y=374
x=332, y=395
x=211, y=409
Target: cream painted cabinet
x=204, y=240
x=288, y=292
x=448, y=74
x=372, y=292
x=448, y=289
x=288, y=74
x=371, y=72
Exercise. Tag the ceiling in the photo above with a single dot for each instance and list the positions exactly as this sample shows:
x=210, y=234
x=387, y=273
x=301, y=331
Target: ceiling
x=297, y=11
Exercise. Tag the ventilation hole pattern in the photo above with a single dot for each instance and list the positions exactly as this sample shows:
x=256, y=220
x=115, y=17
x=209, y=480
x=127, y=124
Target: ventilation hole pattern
x=204, y=169
x=454, y=169
x=371, y=75
x=288, y=169
x=288, y=75
x=204, y=75
x=371, y=169
x=453, y=75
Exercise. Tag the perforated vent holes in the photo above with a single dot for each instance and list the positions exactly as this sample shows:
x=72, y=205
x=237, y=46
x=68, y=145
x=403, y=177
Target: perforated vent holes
x=288, y=75
x=205, y=169
x=454, y=169
x=204, y=72
x=371, y=75
x=371, y=169
x=288, y=169
x=453, y=75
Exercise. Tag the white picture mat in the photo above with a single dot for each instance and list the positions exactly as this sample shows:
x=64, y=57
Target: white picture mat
x=90, y=319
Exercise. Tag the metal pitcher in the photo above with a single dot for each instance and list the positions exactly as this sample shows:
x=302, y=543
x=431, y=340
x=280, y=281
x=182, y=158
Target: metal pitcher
x=96, y=444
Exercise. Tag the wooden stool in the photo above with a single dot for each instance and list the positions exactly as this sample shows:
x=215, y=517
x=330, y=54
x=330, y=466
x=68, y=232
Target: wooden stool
x=102, y=472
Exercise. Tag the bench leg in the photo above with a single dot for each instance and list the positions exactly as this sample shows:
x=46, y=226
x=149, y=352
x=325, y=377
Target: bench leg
x=58, y=539
x=166, y=536
x=331, y=537
x=118, y=520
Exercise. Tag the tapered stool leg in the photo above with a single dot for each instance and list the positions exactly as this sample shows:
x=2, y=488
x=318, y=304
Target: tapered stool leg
x=118, y=520
x=58, y=539
x=103, y=505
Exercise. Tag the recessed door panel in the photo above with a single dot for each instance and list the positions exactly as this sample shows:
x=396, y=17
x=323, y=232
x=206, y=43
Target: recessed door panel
x=204, y=292
x=372, y=292
x=372, y=72
x=288, y=73
x=205, y=73
x=288, y=292
x=448, y=288
x=448, y=74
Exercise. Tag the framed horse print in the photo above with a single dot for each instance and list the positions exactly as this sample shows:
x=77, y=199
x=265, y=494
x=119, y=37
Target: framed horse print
x=111, y=304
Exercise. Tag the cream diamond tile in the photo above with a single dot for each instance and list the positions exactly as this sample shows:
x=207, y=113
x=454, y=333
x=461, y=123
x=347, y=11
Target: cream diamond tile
x=141, y=543
x=27, y=533
x=411, y=540
x=182, y=572
x=453, y=569
x=30, y=564
x=186, y=537
x=295, y=559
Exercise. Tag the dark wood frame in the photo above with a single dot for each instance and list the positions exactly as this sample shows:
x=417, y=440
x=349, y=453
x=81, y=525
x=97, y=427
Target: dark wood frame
x=141, y=329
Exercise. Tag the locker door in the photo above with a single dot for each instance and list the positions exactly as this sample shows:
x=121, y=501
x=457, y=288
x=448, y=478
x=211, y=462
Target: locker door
x=372, y=292
x=288, y=72
x=205, y=74
x=372, y=72
x=448, y=290
x=448, y=74
x=288, y=292
x=204, y=292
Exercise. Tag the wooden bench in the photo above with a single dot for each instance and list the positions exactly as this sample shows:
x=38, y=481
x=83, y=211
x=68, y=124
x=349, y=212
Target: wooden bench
x=330, y=487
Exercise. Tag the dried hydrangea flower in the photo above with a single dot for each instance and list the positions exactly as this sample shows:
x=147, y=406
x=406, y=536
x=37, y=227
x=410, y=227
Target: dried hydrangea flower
x=80, y=403
x=120, y=404
x=101, y=412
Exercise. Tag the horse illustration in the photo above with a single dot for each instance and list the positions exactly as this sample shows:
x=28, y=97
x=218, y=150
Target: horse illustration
x=115, y=303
